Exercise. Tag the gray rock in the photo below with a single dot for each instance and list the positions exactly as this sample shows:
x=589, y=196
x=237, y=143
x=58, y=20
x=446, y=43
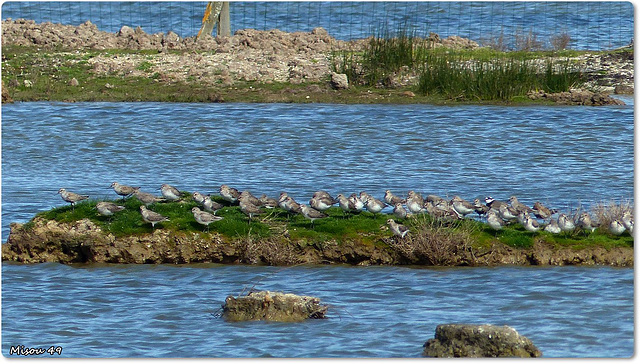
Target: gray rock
x=339, y=81
x=477, y=341
x=272, y=306
x=73, y=82
x=125, y=30
x=624, y=90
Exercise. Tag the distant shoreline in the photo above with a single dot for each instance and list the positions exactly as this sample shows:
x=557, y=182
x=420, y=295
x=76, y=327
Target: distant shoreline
x=54, y=62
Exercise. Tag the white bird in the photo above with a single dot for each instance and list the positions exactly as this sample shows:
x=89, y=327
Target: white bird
x=616, y=227
x=355, y=202
x=415, y=203
x=494, y=220
x=321, y=202
x=229, y=193
x=399, y=211
x=507, y=212
x=169, y=192
x=531, y=224
x=198, y=197
x=397, y=229
x=123, y=190
x=374, y=205
x=211, y=205
x=565, y=223
x=584, y=221
x=627, y=221
x=553, y=227
x=461, y=206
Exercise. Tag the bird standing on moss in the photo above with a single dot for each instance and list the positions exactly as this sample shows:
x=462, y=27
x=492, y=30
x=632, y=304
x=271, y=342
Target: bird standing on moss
x=397, y=229
x=151, y=217
x=71, y=197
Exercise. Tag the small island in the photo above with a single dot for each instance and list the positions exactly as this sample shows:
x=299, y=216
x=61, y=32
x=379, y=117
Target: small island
x=274, y=236
x=55, y=62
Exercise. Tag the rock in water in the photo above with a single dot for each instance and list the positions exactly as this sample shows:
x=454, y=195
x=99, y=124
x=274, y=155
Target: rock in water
x=272, y=306
x=477, y=341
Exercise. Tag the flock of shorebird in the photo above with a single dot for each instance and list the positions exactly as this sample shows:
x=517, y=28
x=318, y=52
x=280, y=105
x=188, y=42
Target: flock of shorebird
x=497, y=213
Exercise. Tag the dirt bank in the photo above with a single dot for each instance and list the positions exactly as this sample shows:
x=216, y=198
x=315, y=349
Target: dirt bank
x=248, y=56
x=84, y=242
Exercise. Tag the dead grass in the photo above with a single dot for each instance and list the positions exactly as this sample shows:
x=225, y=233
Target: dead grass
x=435, y=242
x=271, y=251
x=605, y=212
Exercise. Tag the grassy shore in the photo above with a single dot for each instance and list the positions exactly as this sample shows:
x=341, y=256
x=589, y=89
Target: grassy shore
x=364, y=227
x=32, y=74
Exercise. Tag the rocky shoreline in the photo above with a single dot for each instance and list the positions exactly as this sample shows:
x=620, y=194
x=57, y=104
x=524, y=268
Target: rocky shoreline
x=84, y=242
x=257, y=56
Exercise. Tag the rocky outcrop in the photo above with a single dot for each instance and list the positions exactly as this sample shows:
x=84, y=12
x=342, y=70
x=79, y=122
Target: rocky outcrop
x=5, y=94
x=478, y=341
x=273, y=306
x=82, y=241
x=576, y=97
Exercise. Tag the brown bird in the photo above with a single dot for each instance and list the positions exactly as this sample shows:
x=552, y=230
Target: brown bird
x=147, y=198
x=519, y=206
x=123, y=190
x=248, y=197
x=108, y=208
x=204, y=218
x=71, y=197
x=311, y=213
x=541, y=211
x=249, y=209
x=480, y=208
x=151, y=217
x=392, y=199
x=268, y=202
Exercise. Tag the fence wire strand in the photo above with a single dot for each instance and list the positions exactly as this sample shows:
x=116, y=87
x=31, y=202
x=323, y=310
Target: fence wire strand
x=591, y=25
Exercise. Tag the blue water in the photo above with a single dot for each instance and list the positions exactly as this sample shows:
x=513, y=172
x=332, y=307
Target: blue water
x=591, y=25
x=561, y=156
x=169, y=311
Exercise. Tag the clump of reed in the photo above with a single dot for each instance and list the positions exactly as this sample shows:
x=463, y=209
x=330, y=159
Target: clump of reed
x=481, y=74
x=460, y=78
x=606, y=211
x=436, y=242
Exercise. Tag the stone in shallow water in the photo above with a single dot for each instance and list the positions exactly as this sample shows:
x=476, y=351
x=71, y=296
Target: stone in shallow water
x=272, y=306
x=477, y=341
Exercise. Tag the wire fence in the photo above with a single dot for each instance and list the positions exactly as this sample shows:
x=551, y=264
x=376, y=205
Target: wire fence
x=585, y=25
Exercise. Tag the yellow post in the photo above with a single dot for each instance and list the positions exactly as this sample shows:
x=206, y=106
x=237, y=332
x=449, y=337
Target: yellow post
x=216, y=13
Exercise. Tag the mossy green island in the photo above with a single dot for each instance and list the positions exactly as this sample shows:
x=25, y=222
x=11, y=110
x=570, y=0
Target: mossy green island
x=80, y=235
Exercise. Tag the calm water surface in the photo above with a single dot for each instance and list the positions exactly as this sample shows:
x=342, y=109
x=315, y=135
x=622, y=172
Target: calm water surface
x=561, y=156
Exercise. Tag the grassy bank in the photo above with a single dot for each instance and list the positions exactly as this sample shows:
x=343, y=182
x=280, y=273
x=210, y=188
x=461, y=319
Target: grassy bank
x=365, y=227
x=482, y=74
x=31, y=74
